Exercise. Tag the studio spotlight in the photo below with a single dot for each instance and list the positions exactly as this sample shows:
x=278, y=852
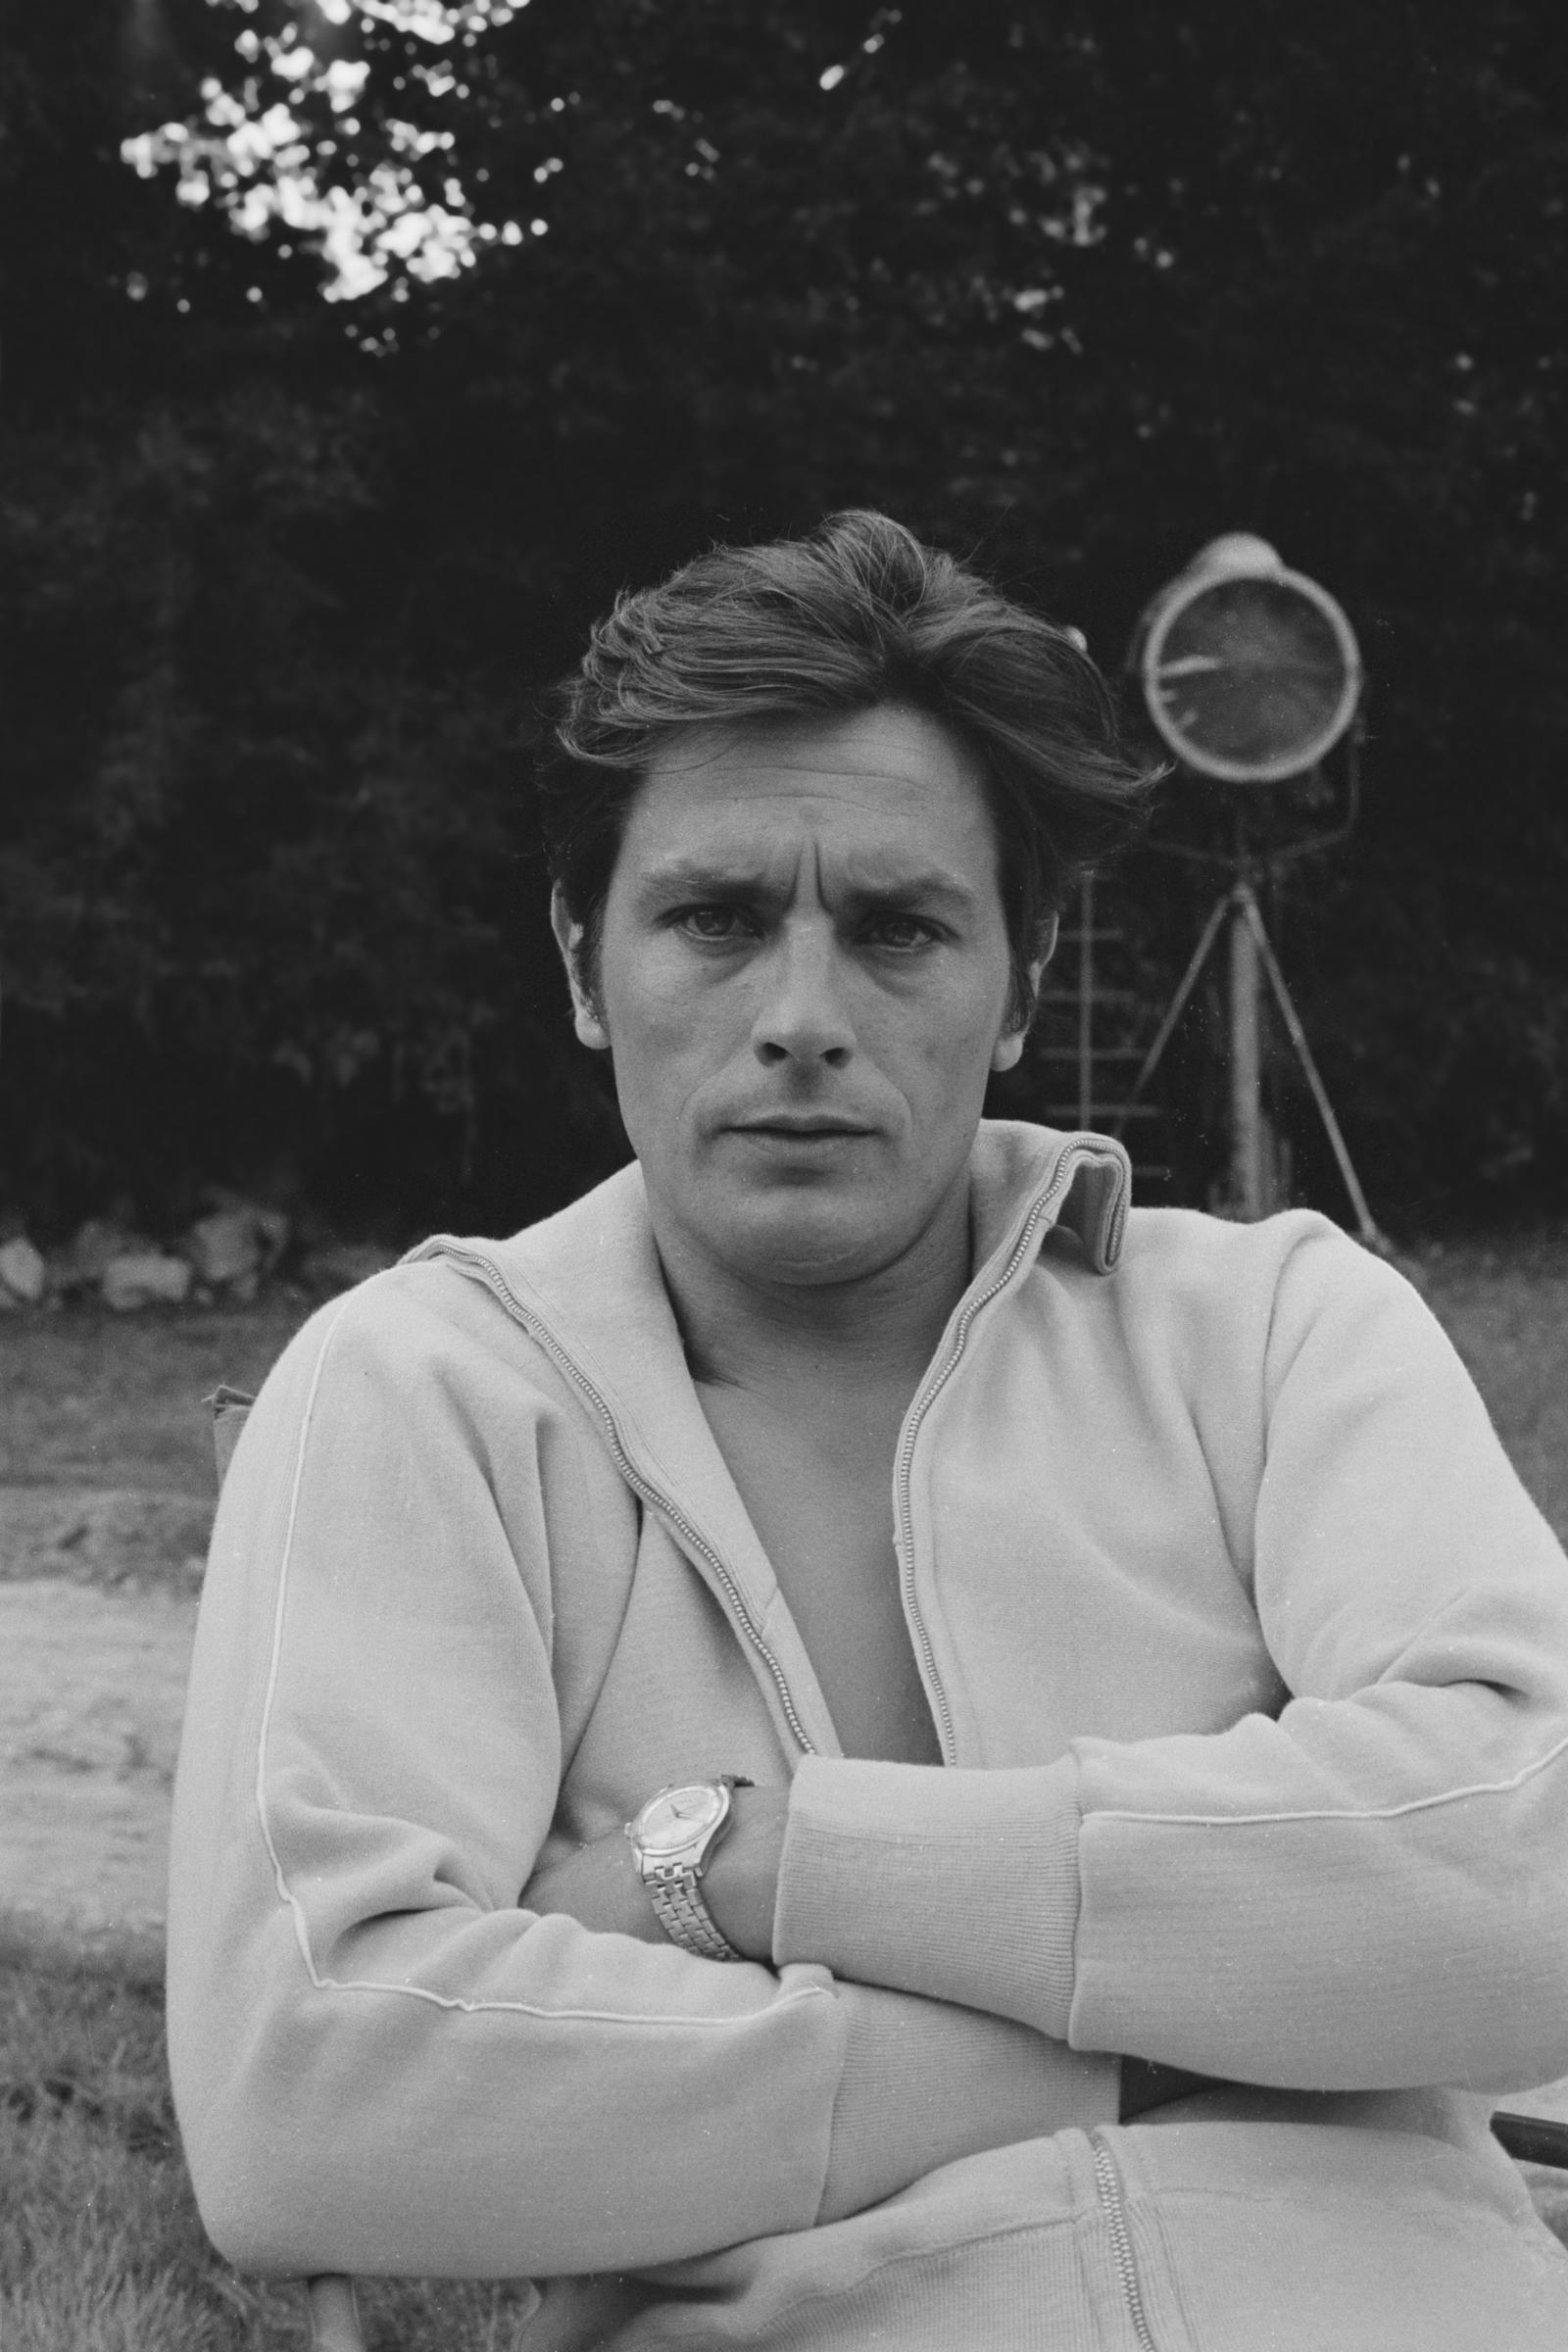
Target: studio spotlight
x=1250, y=674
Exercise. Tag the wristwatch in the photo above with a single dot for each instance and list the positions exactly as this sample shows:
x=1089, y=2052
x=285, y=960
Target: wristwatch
x=671, y=1838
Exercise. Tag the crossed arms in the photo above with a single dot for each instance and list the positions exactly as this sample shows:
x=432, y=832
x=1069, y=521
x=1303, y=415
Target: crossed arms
x=383, y=2063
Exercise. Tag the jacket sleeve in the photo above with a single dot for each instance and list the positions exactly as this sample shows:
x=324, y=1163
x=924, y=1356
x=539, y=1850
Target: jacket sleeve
x=1369, y=1890
x=381, y=2063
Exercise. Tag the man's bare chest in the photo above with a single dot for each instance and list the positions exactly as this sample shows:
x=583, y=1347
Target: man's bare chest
x=820, y=1497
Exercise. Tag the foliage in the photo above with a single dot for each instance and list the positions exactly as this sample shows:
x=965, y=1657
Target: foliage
x=1069, y=288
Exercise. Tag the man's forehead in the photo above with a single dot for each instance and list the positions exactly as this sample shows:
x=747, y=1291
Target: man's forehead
x=891, y=742
x=887, y=791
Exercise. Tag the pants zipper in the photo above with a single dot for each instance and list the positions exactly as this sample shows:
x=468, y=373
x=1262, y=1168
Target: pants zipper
x=1107, y=2180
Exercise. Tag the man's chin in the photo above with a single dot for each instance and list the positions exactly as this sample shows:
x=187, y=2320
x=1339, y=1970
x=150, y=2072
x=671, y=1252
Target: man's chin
x=799, y=1237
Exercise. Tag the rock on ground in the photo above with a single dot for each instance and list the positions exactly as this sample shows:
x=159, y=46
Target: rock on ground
x=145, y=1278
x=22, y=1272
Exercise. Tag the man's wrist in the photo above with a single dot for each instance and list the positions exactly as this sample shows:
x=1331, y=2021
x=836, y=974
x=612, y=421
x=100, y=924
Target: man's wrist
x=957, y=1884
x=739, y=1886
x=673, y=1837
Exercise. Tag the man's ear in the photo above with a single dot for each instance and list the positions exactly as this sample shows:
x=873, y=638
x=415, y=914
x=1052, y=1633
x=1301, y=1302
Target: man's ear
x=587, y=1019
x=1009, y=1045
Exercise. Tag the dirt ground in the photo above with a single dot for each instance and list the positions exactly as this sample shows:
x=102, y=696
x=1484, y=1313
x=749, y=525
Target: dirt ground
x=106, y=1498
x=106, y=1503
x=91, y=1687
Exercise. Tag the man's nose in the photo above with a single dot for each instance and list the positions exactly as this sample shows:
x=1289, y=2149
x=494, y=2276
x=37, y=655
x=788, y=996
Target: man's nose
x=803, y=1016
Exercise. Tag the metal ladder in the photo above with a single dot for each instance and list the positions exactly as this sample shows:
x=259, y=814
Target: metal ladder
x=1093, y=1035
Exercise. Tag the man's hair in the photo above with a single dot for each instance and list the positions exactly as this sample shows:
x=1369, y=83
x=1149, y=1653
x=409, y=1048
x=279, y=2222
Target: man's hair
x=855, y=615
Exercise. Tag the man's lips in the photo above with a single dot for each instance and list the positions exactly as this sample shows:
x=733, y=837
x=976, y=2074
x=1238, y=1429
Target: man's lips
x=802, y=1126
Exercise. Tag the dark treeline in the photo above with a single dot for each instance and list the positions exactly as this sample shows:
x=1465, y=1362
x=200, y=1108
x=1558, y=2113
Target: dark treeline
x=1069, y=287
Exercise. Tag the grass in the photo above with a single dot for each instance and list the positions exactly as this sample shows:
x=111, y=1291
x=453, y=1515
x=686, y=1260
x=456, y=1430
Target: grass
x=92, y=1399
x=1506, y=1311
x=101, y=2247
x=106, y=1458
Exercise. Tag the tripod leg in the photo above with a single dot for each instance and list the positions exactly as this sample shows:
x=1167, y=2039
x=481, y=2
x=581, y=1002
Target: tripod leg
x=1369, y=1232
x=1251, y=1193
x=1177, y=1006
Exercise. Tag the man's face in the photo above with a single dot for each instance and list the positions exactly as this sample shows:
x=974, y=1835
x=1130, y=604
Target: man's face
x=802, y=978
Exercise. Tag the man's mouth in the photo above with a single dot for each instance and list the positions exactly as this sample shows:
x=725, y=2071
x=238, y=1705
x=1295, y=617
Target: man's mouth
x=802, y=1126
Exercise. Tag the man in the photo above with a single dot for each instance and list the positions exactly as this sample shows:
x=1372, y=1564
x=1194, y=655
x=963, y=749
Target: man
x=1115, y=1690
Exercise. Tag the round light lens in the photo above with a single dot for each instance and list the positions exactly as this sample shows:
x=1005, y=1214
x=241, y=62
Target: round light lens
x=1250, y=679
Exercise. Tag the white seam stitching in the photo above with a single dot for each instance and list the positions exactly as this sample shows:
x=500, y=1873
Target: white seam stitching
x=1418, y=1805
x=301, y=1934
x=594, y=2017
x=285, y=1895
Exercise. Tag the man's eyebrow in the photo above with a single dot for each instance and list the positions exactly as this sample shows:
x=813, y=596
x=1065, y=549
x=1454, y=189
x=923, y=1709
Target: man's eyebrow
x=932, y=889
x=702, y=877
x=698, y=877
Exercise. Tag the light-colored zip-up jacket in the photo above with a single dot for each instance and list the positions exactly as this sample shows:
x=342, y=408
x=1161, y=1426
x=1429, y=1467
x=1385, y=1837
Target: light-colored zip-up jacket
x=1249, y=1660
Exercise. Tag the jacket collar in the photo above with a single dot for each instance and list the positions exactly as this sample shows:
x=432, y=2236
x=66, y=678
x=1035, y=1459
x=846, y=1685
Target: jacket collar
x=1012, y=1165
x=596, y=1262
x=590, y=1276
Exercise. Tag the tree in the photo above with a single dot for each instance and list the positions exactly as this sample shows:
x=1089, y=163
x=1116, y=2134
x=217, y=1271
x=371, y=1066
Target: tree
x=1069, y=289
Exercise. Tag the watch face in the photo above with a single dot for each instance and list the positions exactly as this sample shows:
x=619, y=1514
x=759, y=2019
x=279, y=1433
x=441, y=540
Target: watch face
x=673, y=1820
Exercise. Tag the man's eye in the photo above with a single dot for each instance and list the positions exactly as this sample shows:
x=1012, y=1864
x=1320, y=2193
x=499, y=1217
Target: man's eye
x=902, y=931
x=712, y=922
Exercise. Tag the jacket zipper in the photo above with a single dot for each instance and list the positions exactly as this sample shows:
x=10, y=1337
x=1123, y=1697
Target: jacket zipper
x=496, y=1281
x=1066, y=1169
x=1107, y=2180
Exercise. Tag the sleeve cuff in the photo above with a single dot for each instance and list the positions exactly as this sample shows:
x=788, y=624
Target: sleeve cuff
x=958, y=1885
x=925, y=2083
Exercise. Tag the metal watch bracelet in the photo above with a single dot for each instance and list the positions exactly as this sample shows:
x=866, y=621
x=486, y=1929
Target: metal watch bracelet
x=685, y=1917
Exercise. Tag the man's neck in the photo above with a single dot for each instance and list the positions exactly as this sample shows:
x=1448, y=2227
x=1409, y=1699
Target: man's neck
x=770, y=1337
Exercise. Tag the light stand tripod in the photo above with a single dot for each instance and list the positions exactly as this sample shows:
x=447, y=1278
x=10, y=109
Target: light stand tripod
x=1251, y=958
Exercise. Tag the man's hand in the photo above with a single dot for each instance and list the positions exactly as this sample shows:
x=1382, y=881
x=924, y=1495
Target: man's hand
x=740, y=1885
x=599, y=1886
